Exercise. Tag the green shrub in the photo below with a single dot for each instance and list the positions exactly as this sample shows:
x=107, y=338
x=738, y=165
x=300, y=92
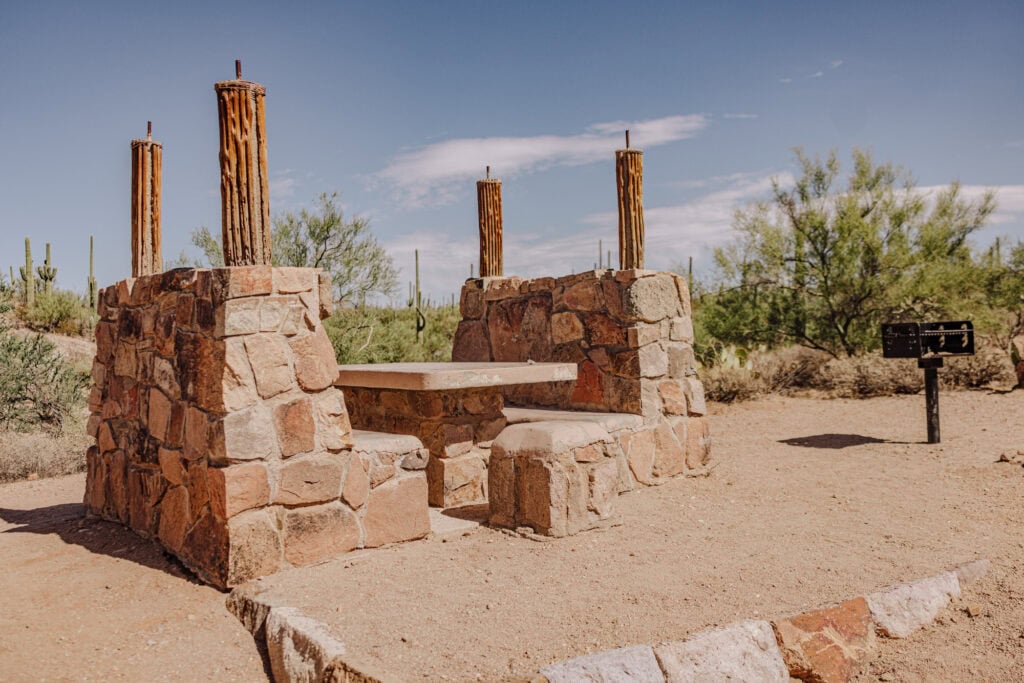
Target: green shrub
x=388, y=335
x=38, y=387
x=62, y=311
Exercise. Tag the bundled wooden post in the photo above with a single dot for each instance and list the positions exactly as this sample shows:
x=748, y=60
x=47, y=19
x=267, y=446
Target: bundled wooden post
x=147, y=160
x=244, y=189
x=629, y=180
x=488, y=203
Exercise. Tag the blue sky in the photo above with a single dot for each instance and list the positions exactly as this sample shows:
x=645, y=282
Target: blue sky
x=399, y=106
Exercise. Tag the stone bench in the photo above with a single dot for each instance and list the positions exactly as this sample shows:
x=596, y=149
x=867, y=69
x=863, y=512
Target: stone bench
x=556, y=477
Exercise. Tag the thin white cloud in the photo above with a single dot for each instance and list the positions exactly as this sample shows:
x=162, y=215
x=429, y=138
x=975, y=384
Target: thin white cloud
x=437, y=173
x=739, y=116
x=835, y=64
x=785, y=80
x=817, y=74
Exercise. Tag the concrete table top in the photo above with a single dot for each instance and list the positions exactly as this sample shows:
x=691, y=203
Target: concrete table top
x=448, y=376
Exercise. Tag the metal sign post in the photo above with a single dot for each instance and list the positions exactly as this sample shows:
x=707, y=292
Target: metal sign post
x=929, y=343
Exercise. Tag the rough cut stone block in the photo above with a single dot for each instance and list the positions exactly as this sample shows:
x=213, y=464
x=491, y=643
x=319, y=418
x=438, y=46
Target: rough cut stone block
x=827, y=645
x=589, y=389
x=315, y=533
x=299, y=648
x=247, y=434
x=254, y=546
x=295, y=427
x=697, y=404
x=239, y=384
x=457, y=481
x=742, y=652
x=238, y=488
x=240, y=281
x=582, y=296
x=174, y=518
x=653, y=361
x=652, y=299
x=309, y=479
x=316, y=366
x=397, y=511
x=292, y=280
x=669, y=454
x=635, y=664
x=271, y=364
x=237, y=316
x=673, y=398
x=471, y=303
x=333, y=426
x=472, y=342
x=639, y=449
x=356, y=488
x=900, y=610
x=566, y=328
x=698, y=442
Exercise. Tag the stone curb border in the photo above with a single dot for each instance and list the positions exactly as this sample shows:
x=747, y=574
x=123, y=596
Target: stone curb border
x=821, y=645
x=827, y=644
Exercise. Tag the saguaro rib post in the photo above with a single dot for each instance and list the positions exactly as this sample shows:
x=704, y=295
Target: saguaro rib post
x=629, y=181
x=244, y=185
x=147, y=163
x=488, y=204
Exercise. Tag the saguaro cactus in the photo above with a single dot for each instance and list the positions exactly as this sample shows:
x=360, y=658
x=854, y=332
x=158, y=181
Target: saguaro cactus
x=629, y=179
x=92, y=280
x=47, y=273
x=28, y=277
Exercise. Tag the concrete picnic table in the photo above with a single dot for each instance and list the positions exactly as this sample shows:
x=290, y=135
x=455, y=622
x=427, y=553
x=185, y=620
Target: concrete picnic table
x=455, y=409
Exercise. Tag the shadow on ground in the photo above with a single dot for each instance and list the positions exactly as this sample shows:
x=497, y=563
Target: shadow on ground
x=68, y=521
x=836, y=441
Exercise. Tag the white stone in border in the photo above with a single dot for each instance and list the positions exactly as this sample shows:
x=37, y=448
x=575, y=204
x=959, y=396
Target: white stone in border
x=746, y=651
x=635, y=664
x=901, y=609
x=300, y=649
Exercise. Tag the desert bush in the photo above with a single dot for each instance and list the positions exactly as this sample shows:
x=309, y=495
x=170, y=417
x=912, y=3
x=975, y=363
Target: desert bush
x=388, y=335
x=62, y=311
x=38, y=454
x=990, y=366
x=38, y=387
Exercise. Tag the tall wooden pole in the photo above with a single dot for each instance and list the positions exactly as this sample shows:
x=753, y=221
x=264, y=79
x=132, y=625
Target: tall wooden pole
x=244, y=187
x=629, y=181
x=147, y=163
x=488, y=204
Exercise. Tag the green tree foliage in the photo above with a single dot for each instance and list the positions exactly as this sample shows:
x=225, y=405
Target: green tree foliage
x=38, y=387
x=358, y=265
x=823, y=263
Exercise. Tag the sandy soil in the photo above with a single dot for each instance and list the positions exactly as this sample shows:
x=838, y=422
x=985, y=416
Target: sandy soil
x=811, y=502
x=85, y=600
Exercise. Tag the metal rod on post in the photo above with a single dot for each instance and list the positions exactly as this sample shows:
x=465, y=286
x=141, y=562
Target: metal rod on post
x=931, y=395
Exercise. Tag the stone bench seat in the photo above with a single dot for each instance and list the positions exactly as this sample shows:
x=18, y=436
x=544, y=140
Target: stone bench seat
x=612, y=422
x=556, y=477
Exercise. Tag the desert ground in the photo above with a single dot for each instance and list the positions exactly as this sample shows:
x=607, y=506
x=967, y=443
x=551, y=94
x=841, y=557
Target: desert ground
x=810, y=502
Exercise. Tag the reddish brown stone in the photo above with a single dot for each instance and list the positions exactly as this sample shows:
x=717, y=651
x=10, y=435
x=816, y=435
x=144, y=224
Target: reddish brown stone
x=295, y=427
x=471, y=303
x=175, y=516
x=205, y=550
x=457, y=481
x=145, y=488
x=827, y=646
x=159, y=414
x=315, y=533
x=240, y=281
x=357, y=484
x=566, y=328
x=520, y=329
x=197, y=434
x=397, y=511
x=673, y=399
x=309, y=479
x=95, y=481
x=589, y=388
x=333, y=425
x=197, y=482
x=238, y=488
x=602, y=330
x=626, y=364
x=171, y=466
x=316, y=366
x=106, y=440
x=669, y=455
x=117, y=485
x=582, y=296
x=639, y=448
x=471, y=342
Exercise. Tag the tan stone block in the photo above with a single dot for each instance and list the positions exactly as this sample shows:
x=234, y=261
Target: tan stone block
x=653, y=361
x=237, y=316
x=829, y=644
x=294, y=321
x=159, y=414
x=673, y=398
x=171, y=466
x=239, y=281
x=175, y=517
x=681, y=361
x=683, y=288
x=643, y=334
x=254, y=546
x=271, y=364
x=316, y=366
x=295, y=427
x=591, y=453
x=273, y=312
x=237, y=488
x=488, y=430
x=326, y=291
x=496, y=288
x=566, y=328
x=669, y=454
x=291, y=280
x=457, y=481
x=315, y=533
x=309, y=479
x=248, y=435
x=239, y=383
x=501, y=491
x=471, y=342
x=681, y=329
x=698, y=442
x=650, y=401
x=652, y=299
x=603, y=479
x=397, y=511
x=697, y=404
x=357, y=485
x=639, y=448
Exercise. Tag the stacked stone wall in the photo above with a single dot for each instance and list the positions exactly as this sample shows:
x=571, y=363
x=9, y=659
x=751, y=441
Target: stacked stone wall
x=630, y=332
x=219, y=432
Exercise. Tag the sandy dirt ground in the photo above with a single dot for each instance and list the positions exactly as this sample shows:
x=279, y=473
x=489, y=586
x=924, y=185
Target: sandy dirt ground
x=85, y=600
x=811, y=502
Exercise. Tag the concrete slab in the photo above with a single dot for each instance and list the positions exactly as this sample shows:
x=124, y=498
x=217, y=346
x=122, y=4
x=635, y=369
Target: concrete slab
x=457, y=521
x=612, y=422
x=381, y=442
x=448, y=376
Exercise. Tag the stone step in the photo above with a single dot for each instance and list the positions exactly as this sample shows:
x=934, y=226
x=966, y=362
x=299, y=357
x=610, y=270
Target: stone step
x=611, y=422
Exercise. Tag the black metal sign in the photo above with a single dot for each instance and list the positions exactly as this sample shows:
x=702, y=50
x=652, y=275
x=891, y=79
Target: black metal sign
x=928, y=340
x=929, y=343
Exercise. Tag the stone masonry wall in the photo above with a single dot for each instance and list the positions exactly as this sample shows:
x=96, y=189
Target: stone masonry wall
x=630, y=333
x=219, y=432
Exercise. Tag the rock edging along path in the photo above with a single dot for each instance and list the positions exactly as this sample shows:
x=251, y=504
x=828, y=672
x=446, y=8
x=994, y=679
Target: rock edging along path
x=825, y=645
